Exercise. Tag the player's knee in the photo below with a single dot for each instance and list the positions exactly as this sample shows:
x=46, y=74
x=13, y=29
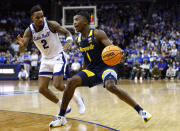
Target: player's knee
x=42, y=90
x=59, y=86
x=110, y=85
x=74, y=82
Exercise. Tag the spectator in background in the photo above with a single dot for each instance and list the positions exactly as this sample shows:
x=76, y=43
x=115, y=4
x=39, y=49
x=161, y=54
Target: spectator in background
x=23, y=75
x=15, y=59
x=139, y=58
x=14, y=46
x=34, y=66
x=20, y=59
x=162, y=65
x=173, y=51
x=8, y=57
x=156, y=73
x=170, y=73
x=34, y=60
x=145, y=56
x=2, y=58
x=133, y=56
x=177, y=58
x=75, y=67
x=129, y=60
x=145, y=69
x=27, y=61
x=178, y=70
x=136, y=72
x=80, y=58
x=153, y=63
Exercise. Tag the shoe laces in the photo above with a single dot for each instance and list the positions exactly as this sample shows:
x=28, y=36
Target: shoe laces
x=142, y=113
x=57, y=118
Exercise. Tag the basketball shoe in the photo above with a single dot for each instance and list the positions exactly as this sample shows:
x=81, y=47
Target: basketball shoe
x=146, y=116
x=68, y=110
x=59, y=121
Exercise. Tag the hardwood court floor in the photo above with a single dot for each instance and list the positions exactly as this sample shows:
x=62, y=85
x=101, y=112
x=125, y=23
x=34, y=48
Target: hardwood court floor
x=161, y=98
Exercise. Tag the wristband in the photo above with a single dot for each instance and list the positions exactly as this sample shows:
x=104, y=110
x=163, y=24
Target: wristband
x=69, y=38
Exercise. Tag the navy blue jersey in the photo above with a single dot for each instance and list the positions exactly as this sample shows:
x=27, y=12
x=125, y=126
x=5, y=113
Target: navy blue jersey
x=91, y=50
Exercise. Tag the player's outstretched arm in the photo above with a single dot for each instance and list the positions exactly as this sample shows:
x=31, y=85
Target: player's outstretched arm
x=102, y=37
x=55, y=26
x=23, y=42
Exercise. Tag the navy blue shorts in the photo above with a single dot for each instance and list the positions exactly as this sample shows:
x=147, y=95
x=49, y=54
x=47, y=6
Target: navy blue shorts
x=93, y=76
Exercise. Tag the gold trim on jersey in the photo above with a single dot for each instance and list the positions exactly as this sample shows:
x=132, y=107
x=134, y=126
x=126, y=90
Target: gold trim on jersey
x=88, y=73
x=107, y=71
x=91, y=33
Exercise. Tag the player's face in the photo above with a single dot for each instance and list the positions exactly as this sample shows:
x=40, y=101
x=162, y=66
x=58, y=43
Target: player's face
x=38, y=18
x=79, y=22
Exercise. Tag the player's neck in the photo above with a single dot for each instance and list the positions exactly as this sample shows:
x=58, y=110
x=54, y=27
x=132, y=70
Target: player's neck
x=85, y=32
x=38, y=28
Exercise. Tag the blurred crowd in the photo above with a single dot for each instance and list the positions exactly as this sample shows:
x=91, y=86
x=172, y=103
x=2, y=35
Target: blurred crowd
x=151, y=41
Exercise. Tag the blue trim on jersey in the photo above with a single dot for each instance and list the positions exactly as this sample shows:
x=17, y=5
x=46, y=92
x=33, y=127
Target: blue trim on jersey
x=49, y=27
x=62, y=70
x=30, y=30
x=45, y=73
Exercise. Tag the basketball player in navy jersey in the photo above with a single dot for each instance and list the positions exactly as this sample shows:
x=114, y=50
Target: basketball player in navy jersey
x=91, y=42
x=45, y=36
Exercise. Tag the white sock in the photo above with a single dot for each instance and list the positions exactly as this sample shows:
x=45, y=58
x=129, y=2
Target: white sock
x=79, y=102
x=59, y=103
x=76, y=97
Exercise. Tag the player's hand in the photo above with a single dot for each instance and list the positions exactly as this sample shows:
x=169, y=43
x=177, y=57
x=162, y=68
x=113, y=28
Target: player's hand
x=20, y=40
x=67, y=46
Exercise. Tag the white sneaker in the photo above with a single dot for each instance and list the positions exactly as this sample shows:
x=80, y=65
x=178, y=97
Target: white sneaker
x=59, y=121
x=81, y=106
x=146, y=116
x=141, y=78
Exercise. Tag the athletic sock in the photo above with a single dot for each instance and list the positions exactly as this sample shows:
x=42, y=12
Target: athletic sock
x=59, y=103
x=62, y=112
x=138, y=108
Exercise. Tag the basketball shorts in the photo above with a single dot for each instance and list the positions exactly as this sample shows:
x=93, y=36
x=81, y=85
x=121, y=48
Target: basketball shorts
x=54, y=66
x=94, y=76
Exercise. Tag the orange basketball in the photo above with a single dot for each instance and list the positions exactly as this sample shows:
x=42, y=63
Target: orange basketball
x=112, y=55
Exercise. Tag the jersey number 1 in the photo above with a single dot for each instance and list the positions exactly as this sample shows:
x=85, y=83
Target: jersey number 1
x=44, y=43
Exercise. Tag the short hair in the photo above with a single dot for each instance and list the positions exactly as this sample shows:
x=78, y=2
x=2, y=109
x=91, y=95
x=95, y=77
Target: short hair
x=35, y=9
x=84, y=14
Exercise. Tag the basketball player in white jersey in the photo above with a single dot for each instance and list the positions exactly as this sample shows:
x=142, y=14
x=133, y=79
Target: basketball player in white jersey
x=44, y=34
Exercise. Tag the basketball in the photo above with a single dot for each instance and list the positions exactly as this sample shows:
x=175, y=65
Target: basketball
x=112, y=55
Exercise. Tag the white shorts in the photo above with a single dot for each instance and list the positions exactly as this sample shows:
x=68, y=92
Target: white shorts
x=53, y=66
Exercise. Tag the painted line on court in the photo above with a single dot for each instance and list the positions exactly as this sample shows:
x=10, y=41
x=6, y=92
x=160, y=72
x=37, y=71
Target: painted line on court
x=18, y=92
x=67, y=118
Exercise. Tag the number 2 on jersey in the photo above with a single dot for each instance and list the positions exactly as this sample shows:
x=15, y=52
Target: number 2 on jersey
x=44, y=43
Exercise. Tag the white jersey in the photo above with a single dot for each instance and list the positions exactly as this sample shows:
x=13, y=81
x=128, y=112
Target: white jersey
x=46, y=41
